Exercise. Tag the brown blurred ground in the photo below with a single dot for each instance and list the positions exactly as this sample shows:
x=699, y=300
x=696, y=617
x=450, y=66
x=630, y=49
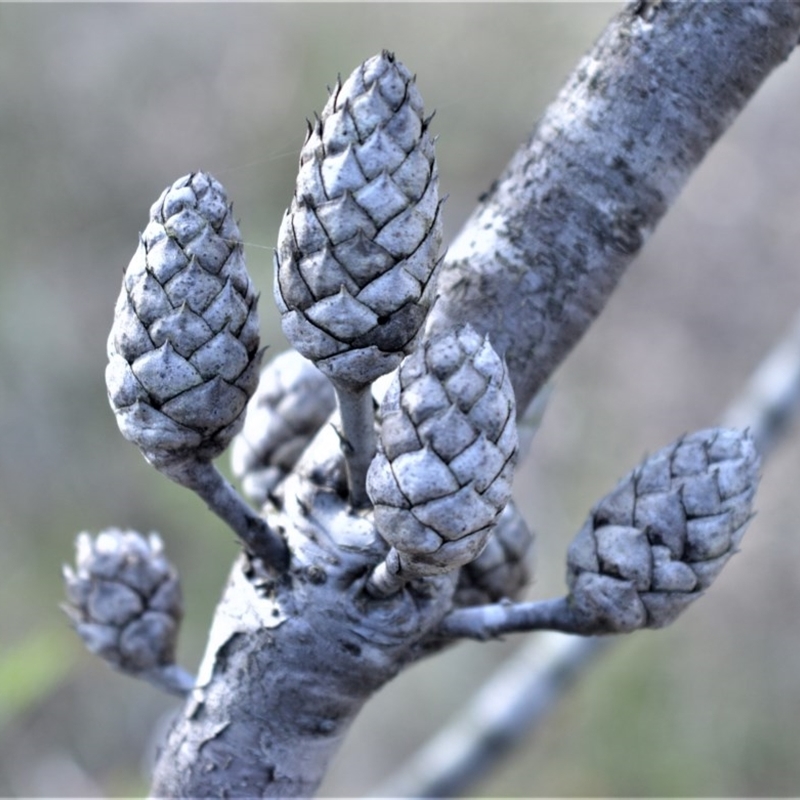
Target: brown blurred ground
x=101, y=106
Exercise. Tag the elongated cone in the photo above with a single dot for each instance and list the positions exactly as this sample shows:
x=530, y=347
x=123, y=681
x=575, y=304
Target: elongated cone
x=448, y=444
x=124, y=599
x=183, y=350
x=358, y=248
x=660, y=538
x=292, y=402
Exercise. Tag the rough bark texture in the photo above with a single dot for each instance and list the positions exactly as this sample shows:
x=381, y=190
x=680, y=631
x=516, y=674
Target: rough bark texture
x=290, y=662
x=549, y=241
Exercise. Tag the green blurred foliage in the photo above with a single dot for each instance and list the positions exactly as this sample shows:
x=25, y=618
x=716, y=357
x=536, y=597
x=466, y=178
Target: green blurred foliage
x=101, y=106
x=33, y=669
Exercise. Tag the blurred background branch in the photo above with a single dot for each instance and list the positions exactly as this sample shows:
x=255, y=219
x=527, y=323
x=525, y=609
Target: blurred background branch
x=103, y=105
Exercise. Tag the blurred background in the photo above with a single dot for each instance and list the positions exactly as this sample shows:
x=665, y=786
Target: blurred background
x=102, y=106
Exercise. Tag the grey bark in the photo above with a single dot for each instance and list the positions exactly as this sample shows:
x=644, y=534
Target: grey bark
x=291, y=661
x=548, y=243
x=769, y=403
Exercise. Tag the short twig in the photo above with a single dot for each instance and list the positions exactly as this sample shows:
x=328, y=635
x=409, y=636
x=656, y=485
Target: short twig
x=172, y=679
x=490, y=621
x=386, y=579
x=357, y=415
x=206, y=480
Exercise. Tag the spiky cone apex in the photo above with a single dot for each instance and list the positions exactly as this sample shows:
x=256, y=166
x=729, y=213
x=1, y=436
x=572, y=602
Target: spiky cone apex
x=292, y=402
x=447, y=448
x=358, y=248
x=501, y=571
x=183, y=352
x=124, y=600
x=658, y=541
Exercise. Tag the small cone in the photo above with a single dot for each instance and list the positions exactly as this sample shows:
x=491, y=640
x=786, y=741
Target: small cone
x=657, y=542
x=124, y=600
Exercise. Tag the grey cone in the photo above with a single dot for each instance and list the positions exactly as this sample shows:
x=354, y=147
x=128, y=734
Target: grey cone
x=448, y=445
x=292, y=402
x=662, y=536
x=184, y=346
x=124, y=599
x=358, y=248
x=501, y=571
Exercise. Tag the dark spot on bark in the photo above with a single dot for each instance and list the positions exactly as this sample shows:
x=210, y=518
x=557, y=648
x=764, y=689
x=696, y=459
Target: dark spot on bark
x=647, y=9
x=326, y=726
x=484, y=196
x=626, y=237
x=316, y=575
x=352, y=648
x=317, y=476
x=342, y=490
x=624, y=168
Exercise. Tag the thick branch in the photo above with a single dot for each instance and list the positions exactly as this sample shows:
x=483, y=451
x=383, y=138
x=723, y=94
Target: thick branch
x=540, y=256
x=291, y=660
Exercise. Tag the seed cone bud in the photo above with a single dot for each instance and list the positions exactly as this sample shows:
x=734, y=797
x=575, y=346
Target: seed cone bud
x=124, y=600
x=448, y=444
x=358, y=248
x=183, y=350
x=501, y=571
x=660, y=538
x=292, y=402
